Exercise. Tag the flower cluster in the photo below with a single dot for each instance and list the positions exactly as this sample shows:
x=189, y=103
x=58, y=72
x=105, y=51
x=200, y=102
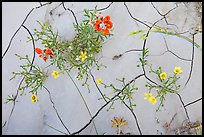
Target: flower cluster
x=103, y=25
x=168, y=84
x=150, y=98
x=44, y=54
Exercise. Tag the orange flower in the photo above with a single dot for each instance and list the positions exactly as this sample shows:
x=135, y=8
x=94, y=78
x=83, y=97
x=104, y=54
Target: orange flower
x=103, y=24
x=97, y=25
x=107, y=18
x=49, y=52
x=105, y=31
x=109, y=24
x=44, y=58
x=44, y=54
x=38, y=50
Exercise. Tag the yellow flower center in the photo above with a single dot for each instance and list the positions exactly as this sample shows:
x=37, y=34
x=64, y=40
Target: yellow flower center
x=163, y=75
x=34, y=98
x=55, y=74
x=99, y=81
x=177, y=70
x=83, y=56
x=153, y=100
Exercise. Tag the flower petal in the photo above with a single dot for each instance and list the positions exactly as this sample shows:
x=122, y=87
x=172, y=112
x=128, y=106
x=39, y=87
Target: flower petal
x=38, y=50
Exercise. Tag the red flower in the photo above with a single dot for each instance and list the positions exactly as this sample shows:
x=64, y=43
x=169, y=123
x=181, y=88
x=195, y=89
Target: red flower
x=44, y=58
x=97, y=25
x=38, y=50
x=105, y=31
x=103, y=24
x=44, y=54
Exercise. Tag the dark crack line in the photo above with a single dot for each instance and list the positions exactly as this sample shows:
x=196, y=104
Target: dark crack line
x=51, y=11
x=56, y=129
x=183, y=105
x=105, y=7
x=4, y=124
x=16, y=33
x=192, y=102
x=14, y=102
x=134, y=17
x=53, y=105
x=97, y=86
x=20, y=27
x=72, y=14
x=43, y=5
x=191, y=69
x=134, y=115
x=98, y=9
x=143, y=58
x=40, y=3
x=168, y=50
x=164, y=15
x=144, y=44
x=33, y=46
x=77, y=132
x=15, y=98
x=120, y=55
x=122, y=101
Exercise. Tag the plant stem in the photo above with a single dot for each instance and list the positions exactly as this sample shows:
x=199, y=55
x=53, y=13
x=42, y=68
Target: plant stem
x=82, y=99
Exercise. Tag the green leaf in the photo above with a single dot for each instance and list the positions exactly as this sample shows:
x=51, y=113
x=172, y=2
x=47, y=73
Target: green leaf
x=136, y=32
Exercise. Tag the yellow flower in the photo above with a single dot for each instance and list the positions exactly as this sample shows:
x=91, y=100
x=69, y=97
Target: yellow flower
x=177, y=70
x=34, y=98
x=147, y=96
x=99, y=81
x=150, y=98
x=83, y=56
x=153, y=100
x=163, y=75
x=55, y=74
x=119, y=122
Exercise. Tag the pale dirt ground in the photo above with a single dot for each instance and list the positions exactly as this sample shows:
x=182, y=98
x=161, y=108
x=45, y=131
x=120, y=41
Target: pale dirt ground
x=32, y=118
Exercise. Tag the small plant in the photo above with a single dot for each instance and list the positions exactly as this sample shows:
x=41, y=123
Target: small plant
x=119, y=122
x=127, y=93
x=78, y=53
x=168, y=84
x=34, y=76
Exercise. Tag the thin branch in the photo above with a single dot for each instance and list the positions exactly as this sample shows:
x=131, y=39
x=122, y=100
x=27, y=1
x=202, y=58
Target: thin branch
x=97, y=86
x=77, y=132
x=82, y=99
x=56, y=129
x=15, y=97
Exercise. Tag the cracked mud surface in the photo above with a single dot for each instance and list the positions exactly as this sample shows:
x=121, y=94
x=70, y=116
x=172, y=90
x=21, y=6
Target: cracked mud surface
x=61, y=110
